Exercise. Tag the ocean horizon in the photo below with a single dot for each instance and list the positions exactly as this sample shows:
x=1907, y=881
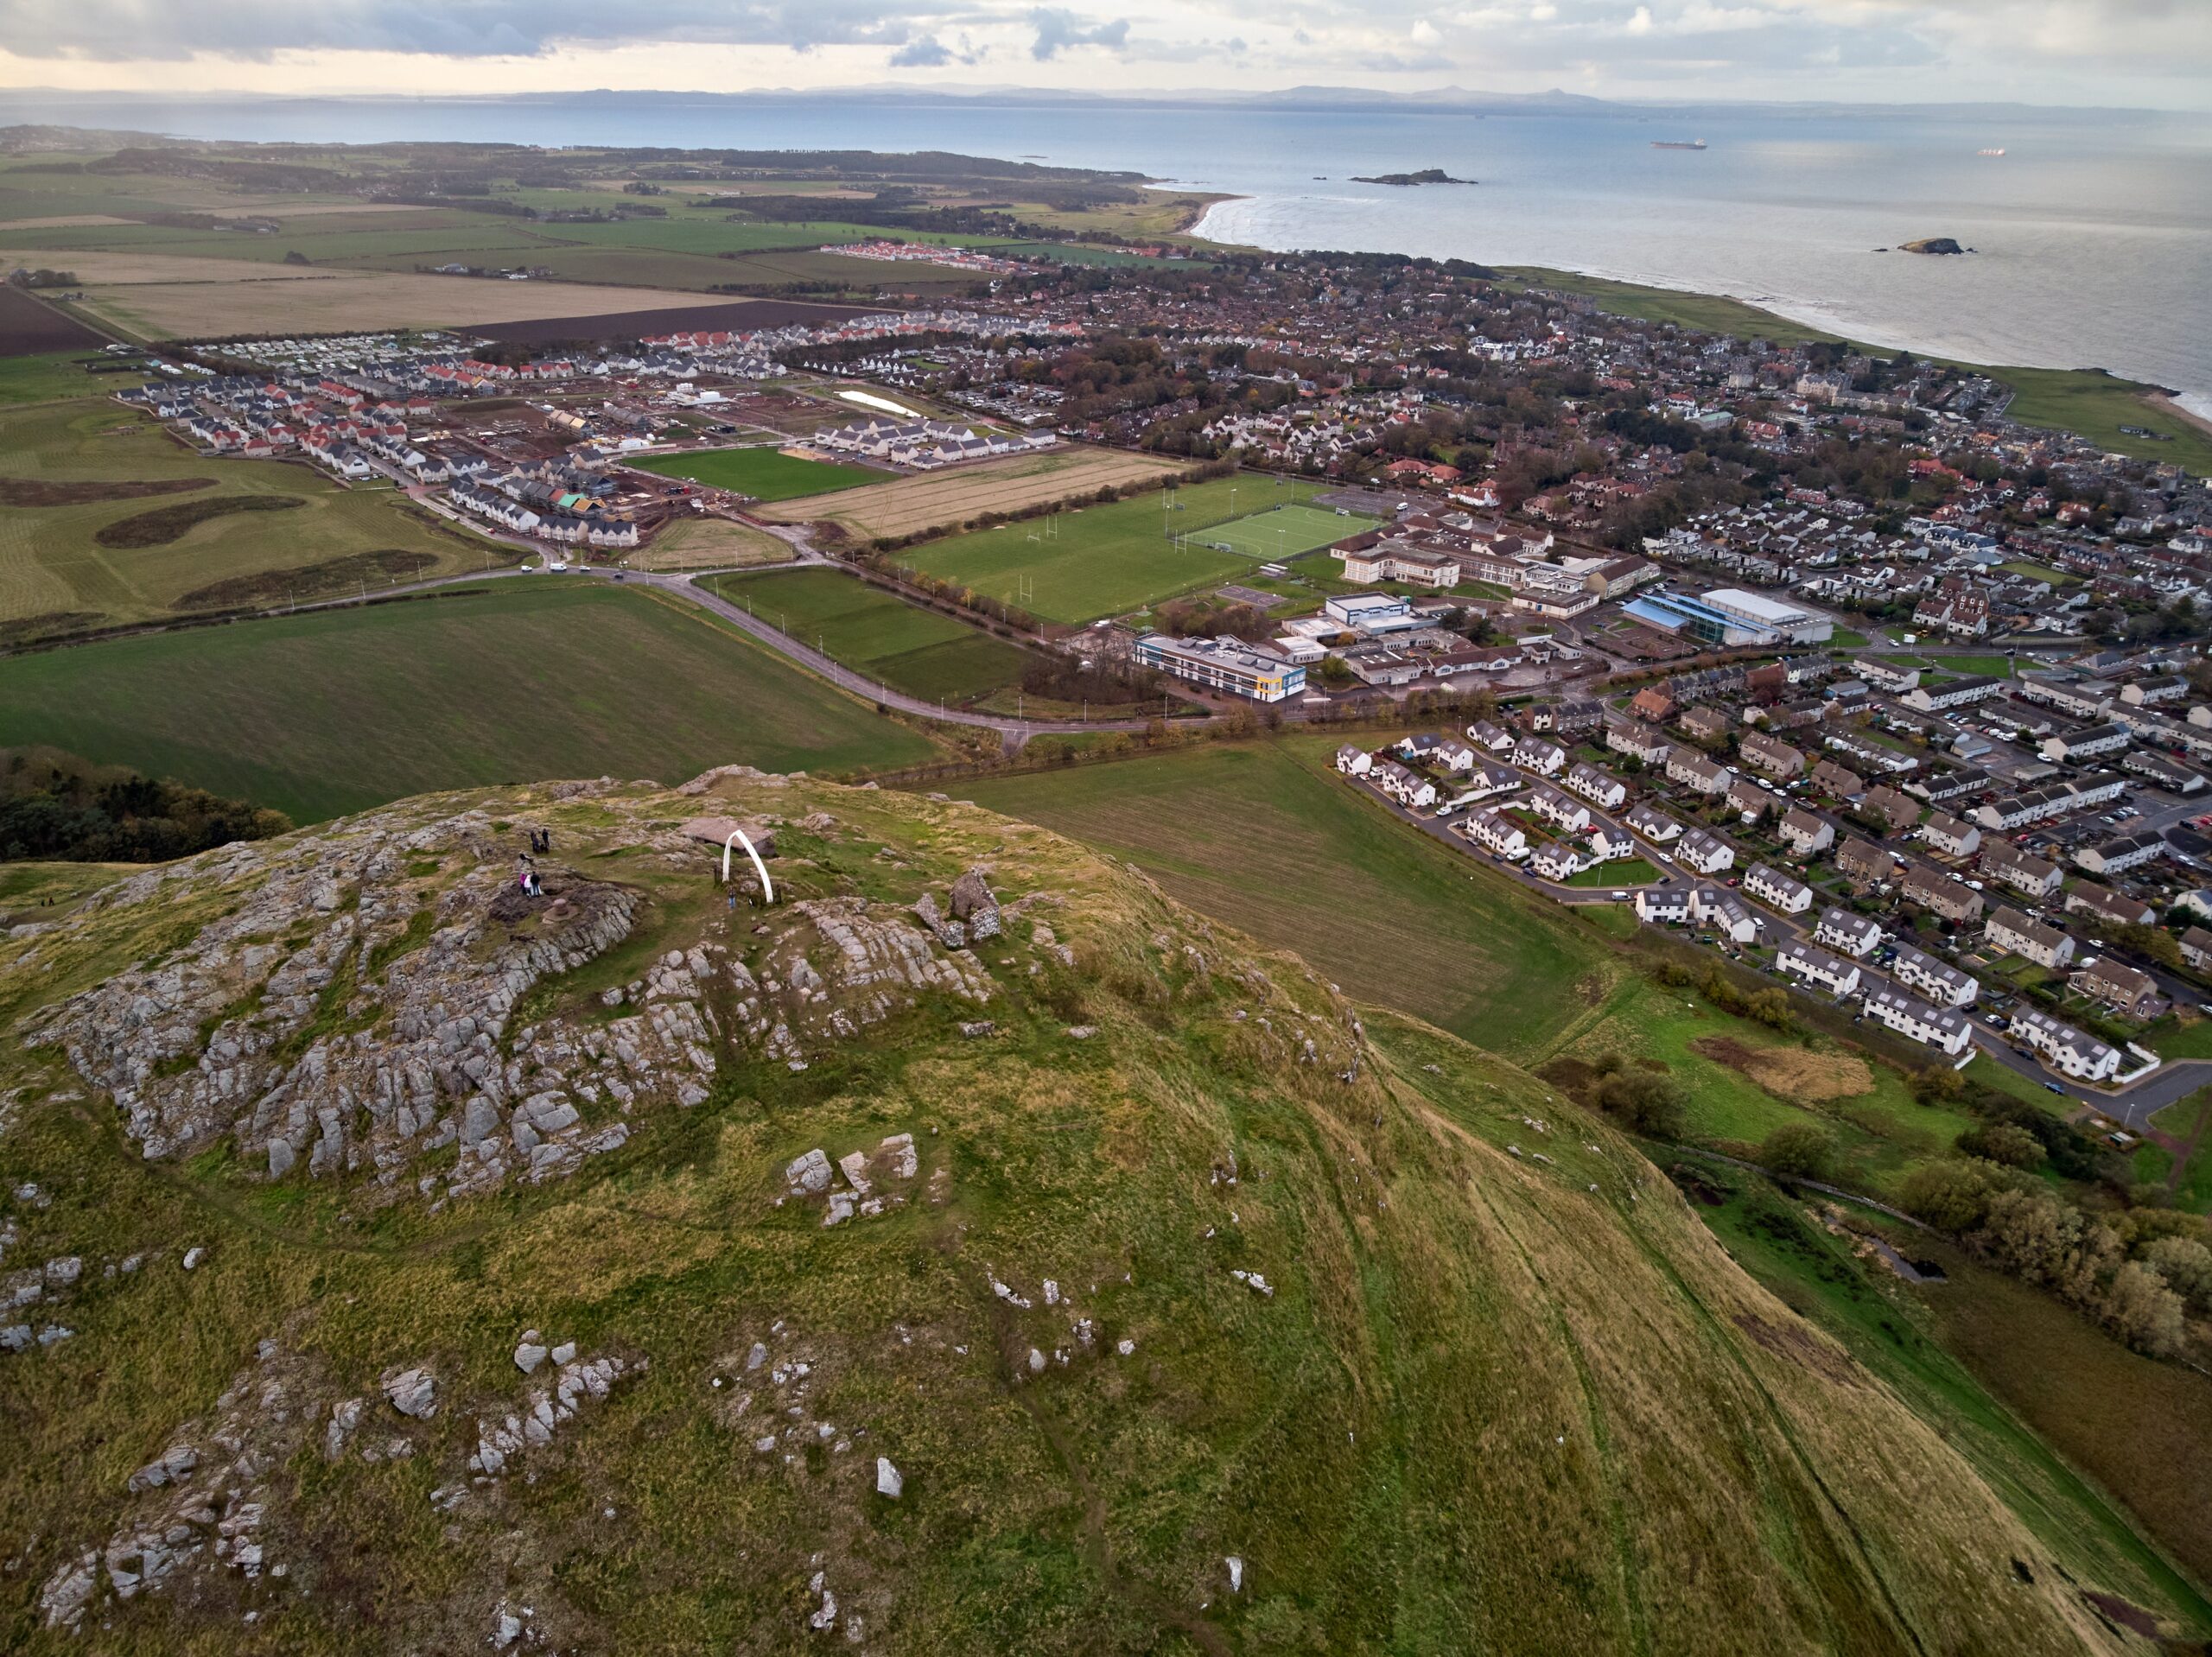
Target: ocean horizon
x=2092, y=232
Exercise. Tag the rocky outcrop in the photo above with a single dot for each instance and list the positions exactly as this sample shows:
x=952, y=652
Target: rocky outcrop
x=353, y=1008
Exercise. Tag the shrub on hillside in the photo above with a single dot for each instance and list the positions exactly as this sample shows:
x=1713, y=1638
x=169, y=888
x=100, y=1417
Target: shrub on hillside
x=1803, y=1149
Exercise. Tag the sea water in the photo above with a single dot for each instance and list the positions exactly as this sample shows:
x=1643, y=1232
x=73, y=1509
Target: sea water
x=2092, y=234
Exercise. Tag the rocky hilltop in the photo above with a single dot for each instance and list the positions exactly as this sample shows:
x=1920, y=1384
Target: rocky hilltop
x=969, y=1251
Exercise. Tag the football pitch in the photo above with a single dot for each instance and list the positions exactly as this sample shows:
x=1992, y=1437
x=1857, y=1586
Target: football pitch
x=1102, y=561
x=1280, y=533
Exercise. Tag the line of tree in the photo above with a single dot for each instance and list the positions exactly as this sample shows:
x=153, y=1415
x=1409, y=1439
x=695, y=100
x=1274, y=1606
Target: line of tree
x=60, y=809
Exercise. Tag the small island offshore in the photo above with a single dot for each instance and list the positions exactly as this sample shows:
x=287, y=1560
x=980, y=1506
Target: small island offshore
x=1936, y=244
x=1427, y=175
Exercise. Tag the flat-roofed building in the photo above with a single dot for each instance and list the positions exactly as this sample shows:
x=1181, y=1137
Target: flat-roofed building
x=1223, y=664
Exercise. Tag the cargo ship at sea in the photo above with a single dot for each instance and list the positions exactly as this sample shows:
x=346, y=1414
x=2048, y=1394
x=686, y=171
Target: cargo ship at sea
x=1677, y=144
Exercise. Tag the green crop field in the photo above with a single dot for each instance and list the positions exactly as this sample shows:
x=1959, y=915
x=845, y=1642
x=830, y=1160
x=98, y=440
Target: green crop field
x=916, y=650
x=764, y=474
x=1114, y=558
x=1266, y=837
x=72, y=469
x=331, y=712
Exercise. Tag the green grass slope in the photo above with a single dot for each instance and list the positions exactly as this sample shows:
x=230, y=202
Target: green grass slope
x=1503, y=1391
x=333, y=711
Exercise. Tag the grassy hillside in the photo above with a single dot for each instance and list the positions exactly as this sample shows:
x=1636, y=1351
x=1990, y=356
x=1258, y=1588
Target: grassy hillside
x=330, y=712
x=1494, y=1387
x=1266, y=837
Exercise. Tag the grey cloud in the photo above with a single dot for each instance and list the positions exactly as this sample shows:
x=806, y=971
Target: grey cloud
x=118, y=30
x=1057, y=30
x=930, y=52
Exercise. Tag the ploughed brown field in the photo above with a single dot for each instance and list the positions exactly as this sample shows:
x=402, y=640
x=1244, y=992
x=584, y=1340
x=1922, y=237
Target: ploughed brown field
x=735, y=314
x=29, y=327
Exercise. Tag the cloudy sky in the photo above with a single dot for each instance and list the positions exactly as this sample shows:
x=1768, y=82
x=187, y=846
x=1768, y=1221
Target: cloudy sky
x=2140, y=53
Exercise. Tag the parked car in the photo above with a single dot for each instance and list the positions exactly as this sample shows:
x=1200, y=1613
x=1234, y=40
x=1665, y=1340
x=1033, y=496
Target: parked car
x=2052, y=1087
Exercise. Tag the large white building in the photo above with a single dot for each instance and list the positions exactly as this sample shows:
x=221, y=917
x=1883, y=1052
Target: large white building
x=1223, y=664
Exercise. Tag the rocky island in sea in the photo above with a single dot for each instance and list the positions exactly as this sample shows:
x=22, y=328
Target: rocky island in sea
x=1427, y=175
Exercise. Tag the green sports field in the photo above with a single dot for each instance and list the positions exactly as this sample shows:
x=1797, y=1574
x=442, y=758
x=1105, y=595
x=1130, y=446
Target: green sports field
x=522, y=680
x=762, y=472
x=1102, y=561
x=916, y=650
x=1280, y=533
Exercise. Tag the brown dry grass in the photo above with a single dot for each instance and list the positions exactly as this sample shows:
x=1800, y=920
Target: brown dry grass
x=708, y=543
x=1791, y=1073
x=948, y=500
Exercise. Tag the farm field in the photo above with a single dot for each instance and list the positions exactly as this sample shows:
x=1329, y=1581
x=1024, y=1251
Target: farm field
x=77, y=475
x=927, y=501
x=162, y=296
x=525, y=679
x=702, y=543
x=912, y=649
x=1266, y=837
x=30, y=327
x=2042, y=1361
x=1106, y=559
x=764, y=474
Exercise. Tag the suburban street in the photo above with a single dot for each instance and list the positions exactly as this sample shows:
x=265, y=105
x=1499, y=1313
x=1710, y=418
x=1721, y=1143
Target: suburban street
x=2132, y=1107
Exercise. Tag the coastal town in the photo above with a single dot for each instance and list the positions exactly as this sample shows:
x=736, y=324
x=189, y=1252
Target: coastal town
x=1818, y=654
